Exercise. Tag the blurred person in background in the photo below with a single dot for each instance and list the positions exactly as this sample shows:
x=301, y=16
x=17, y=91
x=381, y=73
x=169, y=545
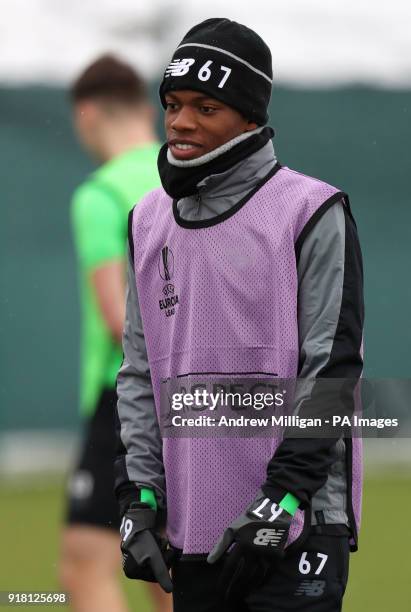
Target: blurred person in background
x=115, y=124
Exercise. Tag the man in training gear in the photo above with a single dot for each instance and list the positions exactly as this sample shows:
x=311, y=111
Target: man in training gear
x=238, y=266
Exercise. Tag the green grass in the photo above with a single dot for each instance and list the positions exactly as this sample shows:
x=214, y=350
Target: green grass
x=29, y=540
x=380, y=570
x=379, y=573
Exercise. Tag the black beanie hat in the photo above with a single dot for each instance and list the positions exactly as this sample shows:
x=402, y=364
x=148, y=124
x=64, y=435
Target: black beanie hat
x=228, y=62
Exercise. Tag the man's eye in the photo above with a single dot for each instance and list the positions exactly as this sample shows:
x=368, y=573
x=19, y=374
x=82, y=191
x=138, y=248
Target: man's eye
x=171, y=105
x=207, y=110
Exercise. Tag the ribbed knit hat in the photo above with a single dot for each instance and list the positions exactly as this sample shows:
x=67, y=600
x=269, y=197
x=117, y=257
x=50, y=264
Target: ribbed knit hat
x=227, y=61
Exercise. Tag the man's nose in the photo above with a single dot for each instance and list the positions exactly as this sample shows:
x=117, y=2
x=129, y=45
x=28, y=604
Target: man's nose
x=184, y=120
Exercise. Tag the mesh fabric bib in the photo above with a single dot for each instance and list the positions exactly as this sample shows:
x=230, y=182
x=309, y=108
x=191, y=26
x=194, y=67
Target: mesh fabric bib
x=232, y=289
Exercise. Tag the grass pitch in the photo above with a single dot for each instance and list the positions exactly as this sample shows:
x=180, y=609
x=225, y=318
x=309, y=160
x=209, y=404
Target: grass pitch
x=379, y=572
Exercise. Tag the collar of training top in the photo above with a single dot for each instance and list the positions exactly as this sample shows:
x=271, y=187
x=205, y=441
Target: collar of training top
x=181, y=181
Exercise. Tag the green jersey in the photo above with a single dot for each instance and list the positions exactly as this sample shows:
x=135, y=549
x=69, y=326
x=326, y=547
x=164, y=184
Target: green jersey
x=99, y=211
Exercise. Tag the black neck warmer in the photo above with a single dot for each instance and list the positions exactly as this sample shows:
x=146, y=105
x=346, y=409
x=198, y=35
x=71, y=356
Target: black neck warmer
x=182, y=182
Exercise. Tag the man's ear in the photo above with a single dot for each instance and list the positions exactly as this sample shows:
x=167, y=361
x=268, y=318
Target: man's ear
x=85, y=112
x=251, y=125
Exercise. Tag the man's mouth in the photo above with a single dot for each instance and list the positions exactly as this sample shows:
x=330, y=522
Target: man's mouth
x=184, y=149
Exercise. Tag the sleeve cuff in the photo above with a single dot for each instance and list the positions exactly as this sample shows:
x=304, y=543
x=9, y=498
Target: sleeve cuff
x=125, y=496
x=277, y=493
x=274, y=492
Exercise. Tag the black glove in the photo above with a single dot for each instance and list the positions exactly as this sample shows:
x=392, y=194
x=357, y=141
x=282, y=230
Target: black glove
x=146, y=555
x=257, y=538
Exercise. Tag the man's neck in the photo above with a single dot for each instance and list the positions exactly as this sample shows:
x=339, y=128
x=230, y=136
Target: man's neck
x=125, y=136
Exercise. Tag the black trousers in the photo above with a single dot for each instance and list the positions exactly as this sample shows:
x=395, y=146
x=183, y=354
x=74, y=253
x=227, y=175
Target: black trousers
x=310, y=580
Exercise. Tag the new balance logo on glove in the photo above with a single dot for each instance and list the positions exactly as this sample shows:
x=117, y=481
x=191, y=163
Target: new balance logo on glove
x=268, y=537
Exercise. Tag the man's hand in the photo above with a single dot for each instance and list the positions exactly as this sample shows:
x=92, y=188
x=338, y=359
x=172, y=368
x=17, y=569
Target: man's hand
x=146, y=555
x=253, y=541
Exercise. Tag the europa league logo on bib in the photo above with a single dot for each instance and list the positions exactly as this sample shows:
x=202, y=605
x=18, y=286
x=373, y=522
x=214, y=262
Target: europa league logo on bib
x=166, y=263
x=166, y=271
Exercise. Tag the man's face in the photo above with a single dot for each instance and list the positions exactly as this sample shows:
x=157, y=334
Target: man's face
x=197, y=124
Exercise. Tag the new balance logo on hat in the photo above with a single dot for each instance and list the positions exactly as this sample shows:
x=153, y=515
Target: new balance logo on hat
x=268, y=537
x=179, y=67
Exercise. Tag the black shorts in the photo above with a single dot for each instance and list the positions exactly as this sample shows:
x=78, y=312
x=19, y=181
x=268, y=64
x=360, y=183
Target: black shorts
x=310, y=580
x=90, y=490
